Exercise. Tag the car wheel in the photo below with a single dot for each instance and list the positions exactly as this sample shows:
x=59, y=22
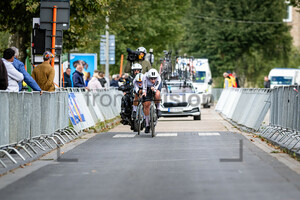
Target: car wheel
x=197, y=117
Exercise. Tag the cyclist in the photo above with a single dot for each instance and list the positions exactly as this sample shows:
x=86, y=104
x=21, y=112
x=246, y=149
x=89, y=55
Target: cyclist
x=151, y=86
x=138, y=90
x=136, y=69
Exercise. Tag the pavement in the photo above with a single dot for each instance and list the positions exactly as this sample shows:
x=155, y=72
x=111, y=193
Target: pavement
x=187, y=160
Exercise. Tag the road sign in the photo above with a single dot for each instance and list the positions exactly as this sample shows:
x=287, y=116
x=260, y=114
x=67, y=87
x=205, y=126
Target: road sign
x=111, y=52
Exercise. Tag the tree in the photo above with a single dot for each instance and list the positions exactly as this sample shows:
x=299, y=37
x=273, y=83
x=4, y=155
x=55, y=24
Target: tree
x=234, y=34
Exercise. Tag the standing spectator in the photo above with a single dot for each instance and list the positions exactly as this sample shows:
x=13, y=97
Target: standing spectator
x=77, y=78
x=44, y=74
x=21, y=68
x=115, y=81
x=87, y=78
x=227, y=81
x=94, y=83
x=67, y=80
x=237, y=80
x=102, y=79
x=267, y=82
x=13, y=75
x=3, y=76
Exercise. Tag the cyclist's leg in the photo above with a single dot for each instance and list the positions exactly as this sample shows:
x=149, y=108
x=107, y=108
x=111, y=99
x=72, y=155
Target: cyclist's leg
x=157, y=97
x=146, y=106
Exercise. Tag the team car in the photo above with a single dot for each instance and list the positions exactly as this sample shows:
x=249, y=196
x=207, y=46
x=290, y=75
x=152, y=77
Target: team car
x=179, y=99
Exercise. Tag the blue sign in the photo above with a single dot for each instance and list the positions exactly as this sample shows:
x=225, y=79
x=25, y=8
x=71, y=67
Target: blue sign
x=112, y=49
x=88, y=60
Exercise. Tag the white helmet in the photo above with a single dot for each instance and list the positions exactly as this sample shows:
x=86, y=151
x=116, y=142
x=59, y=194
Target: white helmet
x=136, y=66
x=142, y=49
x=139, y=77
x=152, y=73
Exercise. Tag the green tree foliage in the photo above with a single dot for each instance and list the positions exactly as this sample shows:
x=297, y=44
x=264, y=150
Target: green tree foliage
x=246, y=36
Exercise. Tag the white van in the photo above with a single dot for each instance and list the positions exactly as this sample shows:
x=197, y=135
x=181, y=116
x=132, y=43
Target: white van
x=284, y=77
x=202, y=81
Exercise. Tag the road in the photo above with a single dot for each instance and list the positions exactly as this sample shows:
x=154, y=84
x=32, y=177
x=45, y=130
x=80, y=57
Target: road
x=183, y=162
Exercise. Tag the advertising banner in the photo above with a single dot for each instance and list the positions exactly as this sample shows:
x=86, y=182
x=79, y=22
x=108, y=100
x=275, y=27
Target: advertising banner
x=88, y=61
x=74, y=112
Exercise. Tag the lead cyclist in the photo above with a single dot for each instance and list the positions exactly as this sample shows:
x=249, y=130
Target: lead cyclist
x=151, y=86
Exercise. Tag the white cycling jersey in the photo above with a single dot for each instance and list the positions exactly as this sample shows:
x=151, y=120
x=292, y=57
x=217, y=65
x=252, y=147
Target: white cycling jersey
x=147, y=83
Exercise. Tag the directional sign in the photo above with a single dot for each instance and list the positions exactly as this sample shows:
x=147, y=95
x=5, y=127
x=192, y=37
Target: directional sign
x=111, y=52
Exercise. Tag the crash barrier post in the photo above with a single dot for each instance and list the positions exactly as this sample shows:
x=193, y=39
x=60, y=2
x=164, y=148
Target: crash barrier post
x=284, y=127
x=244, y=107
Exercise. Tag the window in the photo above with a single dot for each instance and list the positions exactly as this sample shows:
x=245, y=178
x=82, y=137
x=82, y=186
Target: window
x=288, y=12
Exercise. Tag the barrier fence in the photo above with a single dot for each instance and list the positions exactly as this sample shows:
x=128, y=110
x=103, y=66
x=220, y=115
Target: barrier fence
x=30, y=122
x=284, y=127
x=245, y=107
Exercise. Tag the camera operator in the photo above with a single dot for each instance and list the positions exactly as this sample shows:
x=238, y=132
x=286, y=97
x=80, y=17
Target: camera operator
x=137, y=56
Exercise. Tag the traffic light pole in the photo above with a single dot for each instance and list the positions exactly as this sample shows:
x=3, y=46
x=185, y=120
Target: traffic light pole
x=107, y=49
x=53, y=33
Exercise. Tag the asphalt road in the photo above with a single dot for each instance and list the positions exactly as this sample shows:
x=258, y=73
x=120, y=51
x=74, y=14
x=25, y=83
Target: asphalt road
x=183, y=162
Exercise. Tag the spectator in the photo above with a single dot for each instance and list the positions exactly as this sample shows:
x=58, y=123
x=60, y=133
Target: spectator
x=237, y=80
x=21, y=68
x=3, y=76
x=67, y=80
x=44, y=74
x=77, y=78
x=227, y=81
x=13, y=76
x=94, y=83
x=267, y=82
x=115, y=81
x=87, y=78
x=102, y=79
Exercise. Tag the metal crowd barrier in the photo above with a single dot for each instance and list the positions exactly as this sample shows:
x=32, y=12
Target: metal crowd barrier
x=30, y=121
x=244, y=107
x=216, y=93
x=284, y=127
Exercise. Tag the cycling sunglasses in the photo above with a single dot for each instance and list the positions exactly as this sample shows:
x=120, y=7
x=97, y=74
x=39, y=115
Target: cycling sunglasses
x=139, y=82
x=152, y=78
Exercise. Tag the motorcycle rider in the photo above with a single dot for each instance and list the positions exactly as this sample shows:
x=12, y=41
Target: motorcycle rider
x=151, y=83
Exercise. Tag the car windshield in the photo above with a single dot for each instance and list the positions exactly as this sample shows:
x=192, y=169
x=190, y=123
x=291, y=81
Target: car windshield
x=281, y=80
x=200, y=76
x=179, y=88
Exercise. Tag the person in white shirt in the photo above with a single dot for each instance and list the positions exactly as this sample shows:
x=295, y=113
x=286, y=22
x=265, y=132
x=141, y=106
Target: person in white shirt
x=14, y=76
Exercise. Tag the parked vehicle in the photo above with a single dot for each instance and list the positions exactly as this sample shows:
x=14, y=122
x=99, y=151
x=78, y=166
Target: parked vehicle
x=179, y=99
x=284, y=77
x=202, y=81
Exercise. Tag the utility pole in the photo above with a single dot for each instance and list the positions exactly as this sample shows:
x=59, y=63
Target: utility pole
x=107, y=49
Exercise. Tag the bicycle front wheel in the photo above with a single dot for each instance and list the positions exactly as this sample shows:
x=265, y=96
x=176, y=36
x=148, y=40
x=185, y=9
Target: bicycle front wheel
x=152, y=126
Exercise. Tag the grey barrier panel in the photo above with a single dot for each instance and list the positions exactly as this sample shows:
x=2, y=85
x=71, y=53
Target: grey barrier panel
x=113, y=105
x=236, y=97
x=66, y=109
x=265, y=109
x=93, y=100
x=285, y=106
x=216, y=93
x=90, y=106
x=273, y=106
x=4, y=118
x=290, y=105
x=103, y=102
x=280, y=106
x=84, y=110
x=27, y=116
x=46, y=110
x=250, y=100
x=35, y=123
x=53, y=112
x=237, y=114
x=298, y=110
x=15, y=111
x=108, y=97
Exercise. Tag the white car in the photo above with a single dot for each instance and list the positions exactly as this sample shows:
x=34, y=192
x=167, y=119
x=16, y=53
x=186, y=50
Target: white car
x=179, y=99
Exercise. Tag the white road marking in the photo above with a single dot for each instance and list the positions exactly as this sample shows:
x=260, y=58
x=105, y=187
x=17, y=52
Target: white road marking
x=208, y=134
x=166, y=135
x=124, y=136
